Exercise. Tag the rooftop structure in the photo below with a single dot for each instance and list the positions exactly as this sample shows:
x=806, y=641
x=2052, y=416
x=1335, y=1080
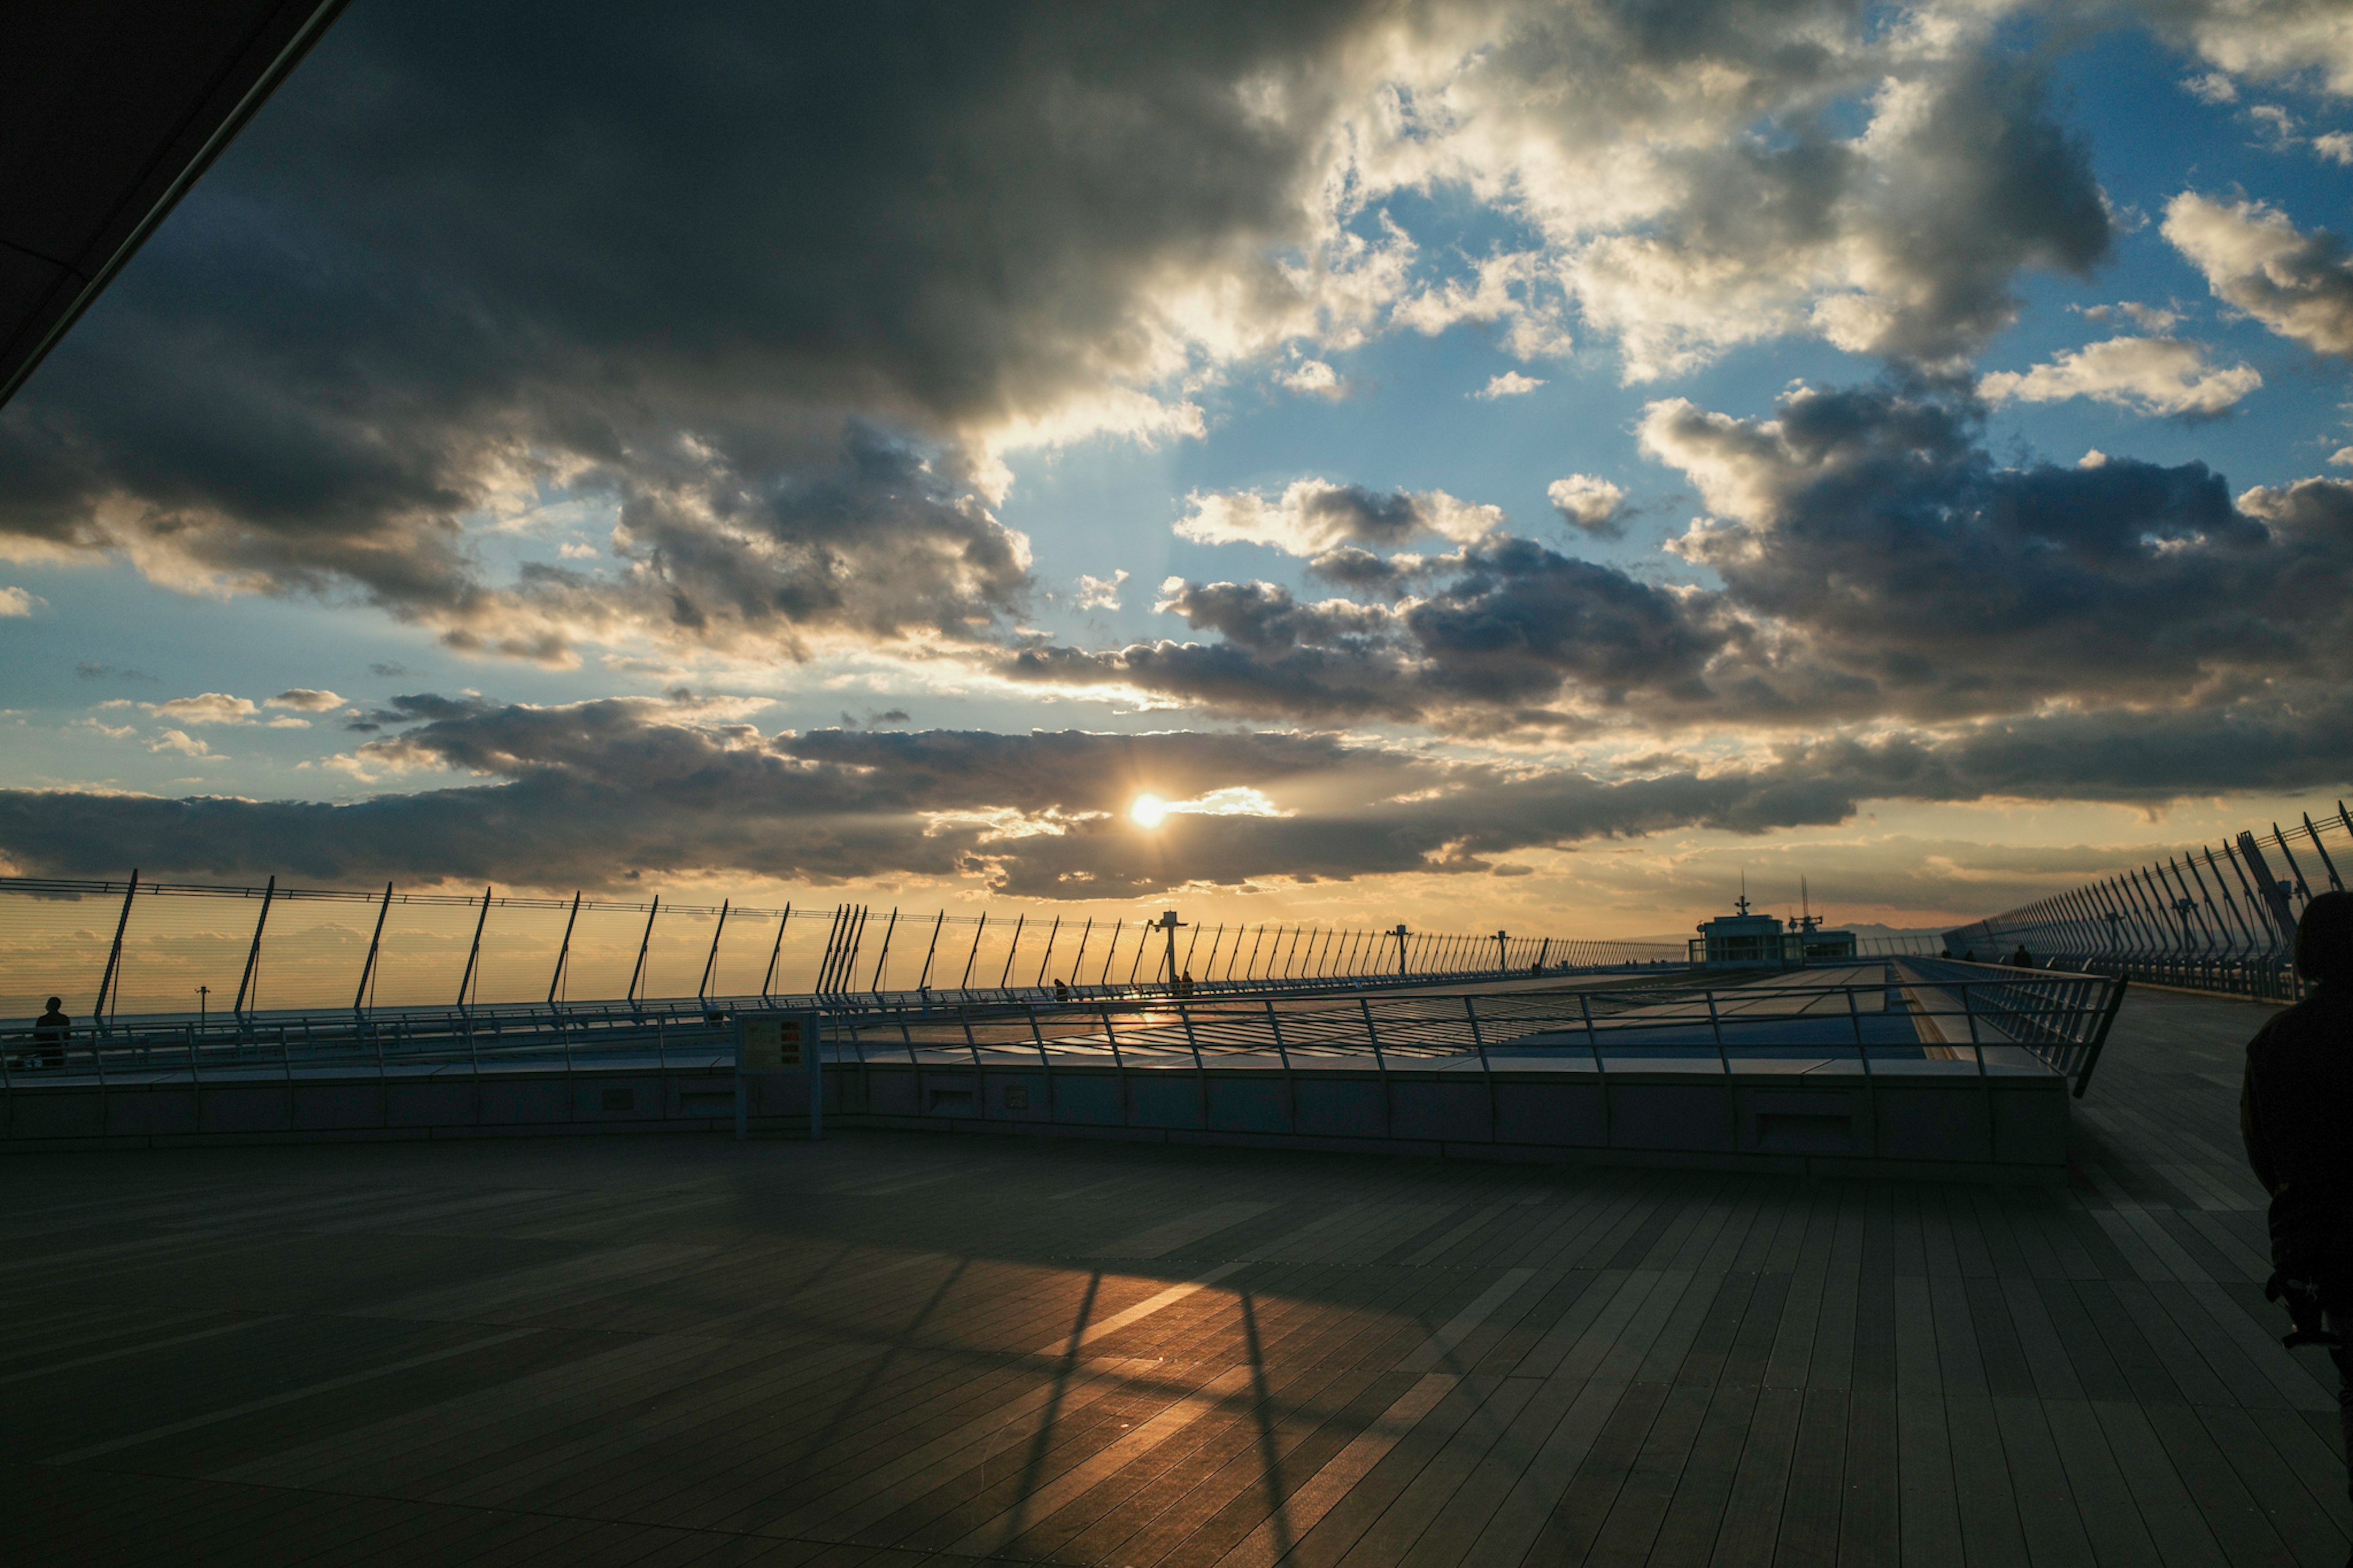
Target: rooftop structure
x=1744, y=939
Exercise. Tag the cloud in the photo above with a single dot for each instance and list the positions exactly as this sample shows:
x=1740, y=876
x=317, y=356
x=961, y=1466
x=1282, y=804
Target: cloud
x=1101, y=592
x=1875, y=564
x=429, y=295
x=1495, y=641
x=1511, y=383
x=1233, y=800
x=601, y=793
x=211, y=707
x=305, y=699
x=1593, y=504
x=2337, y=146
x=2150, y=318
x=1313, y=377
x=2264, y=40
x=406, y=302
x=2148, y=375
x=85, y=671
x=1357, y=570
x=180, y=740
x=1313, y=516
x=2299, y=285
x=16, y=602
x=1900, y=241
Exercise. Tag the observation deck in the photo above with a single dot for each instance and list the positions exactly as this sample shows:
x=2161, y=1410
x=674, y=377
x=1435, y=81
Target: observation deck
x=893, y=1349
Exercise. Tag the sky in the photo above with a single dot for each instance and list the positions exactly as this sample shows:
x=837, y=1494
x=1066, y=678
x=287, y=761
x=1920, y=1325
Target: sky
x=1476, y=464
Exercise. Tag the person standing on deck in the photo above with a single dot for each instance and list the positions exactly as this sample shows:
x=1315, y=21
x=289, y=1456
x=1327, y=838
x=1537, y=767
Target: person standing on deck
x=51, y=1031
x=2294, y=1110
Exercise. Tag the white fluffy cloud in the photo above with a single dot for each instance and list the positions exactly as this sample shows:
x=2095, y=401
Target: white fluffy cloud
x=1587, y=502
x=2148, y=375
x=305, y=700
x=2269, y=39
x=1101, y=592
x=211, y=707
x=18, y=601
x=180, y=741
x=1311, y=516
x=1313, y=377
x=1511, y=383
x=2298, y=284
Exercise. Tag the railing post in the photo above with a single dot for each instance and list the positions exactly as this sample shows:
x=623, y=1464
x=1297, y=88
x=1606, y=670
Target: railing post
x=1118, y=1061
x=1004, y=981
x=1290, y=1088
x=1486, y=1068
x=1119, y=929
x=367, y=969
x=768, y=980
x=1389, y=1117
x=561, y=953
x=710, y=960
x=253, y=954
x=883, y=957
x=637, y=973
x=964, y=986
x=1047, y=957
x=115, y=954
x=923, y=981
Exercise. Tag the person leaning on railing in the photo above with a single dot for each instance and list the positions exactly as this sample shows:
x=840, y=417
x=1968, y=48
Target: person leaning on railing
x=2294, y=1110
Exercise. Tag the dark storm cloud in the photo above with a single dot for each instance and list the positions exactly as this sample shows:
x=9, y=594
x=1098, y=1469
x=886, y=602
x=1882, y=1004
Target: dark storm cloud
x=592, y=793
x=1987, y=184
x=1877, y=529
x=1366, y=516
x=589, y=794
x=1357, y=570
x=688, y=260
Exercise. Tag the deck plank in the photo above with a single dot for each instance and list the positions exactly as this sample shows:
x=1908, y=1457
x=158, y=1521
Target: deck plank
x=907, y=1352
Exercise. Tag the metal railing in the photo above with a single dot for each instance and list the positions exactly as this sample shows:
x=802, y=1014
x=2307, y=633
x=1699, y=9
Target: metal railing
x=2207, y=919
x=1912, y=1016
x=135, y=947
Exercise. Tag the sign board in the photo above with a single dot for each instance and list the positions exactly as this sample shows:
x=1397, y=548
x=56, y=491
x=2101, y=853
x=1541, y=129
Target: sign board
x=774, y=1045
x=771, y=1044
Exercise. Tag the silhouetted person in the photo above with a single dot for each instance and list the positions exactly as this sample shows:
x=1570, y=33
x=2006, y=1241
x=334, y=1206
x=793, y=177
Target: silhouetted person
x=2293, y=1110
x=2022, y=959
x=1970, y=956
x=51, y=1030
x=1061, y=992
x=1185, y=986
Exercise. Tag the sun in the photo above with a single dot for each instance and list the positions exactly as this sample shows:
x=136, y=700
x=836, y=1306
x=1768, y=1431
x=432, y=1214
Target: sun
x=1148, y=811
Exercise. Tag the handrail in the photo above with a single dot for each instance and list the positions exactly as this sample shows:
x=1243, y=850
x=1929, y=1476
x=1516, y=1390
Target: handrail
x=2035, y=1022
x=2220, y=919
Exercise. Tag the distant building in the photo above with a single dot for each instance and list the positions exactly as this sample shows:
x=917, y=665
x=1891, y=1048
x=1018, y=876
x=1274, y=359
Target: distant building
x=1746, y=940
x=1822, y=944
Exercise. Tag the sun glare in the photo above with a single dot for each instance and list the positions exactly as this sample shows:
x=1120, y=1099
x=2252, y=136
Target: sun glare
x=1148, y=811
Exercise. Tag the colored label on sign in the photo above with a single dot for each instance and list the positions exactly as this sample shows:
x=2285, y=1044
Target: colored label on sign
x=769, y=1045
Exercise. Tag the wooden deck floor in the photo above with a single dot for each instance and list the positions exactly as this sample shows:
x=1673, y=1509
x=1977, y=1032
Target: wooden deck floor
x=901, y=1350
